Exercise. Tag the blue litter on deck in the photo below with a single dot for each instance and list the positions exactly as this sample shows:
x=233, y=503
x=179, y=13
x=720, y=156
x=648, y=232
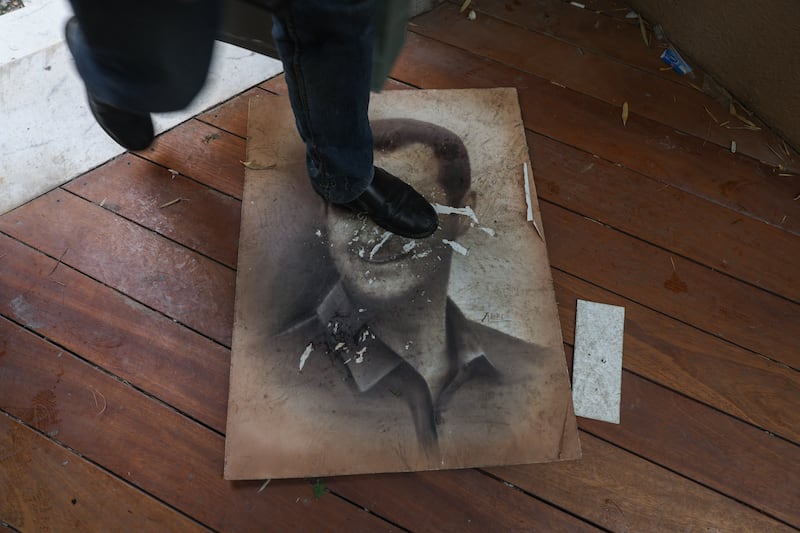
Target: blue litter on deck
x=671, y=57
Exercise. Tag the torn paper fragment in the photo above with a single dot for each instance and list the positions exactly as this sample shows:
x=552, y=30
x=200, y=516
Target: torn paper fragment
x=306, y=354
x=527, y=192
x=386, y=236
x=529, y=201
x=597, y=363
x=450, y=210
x=456, y=247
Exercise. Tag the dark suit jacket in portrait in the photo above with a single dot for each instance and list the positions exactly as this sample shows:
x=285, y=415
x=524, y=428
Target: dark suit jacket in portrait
x=354, y=396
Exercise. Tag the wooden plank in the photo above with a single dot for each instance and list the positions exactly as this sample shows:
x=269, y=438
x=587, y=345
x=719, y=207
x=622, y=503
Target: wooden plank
x=667, y=217
x=722, y=306
x=456, y=500
x=622, y=492
x=684, y=359
x=48, y=488
x=180, y=283
x=276, y=85
x=205, y=153
x=680, y=106
x=655, y=150
x=738, y=460
x=114, y=332
x=150, y=445
x=203, y=219
x=606, y=31
x=231, y=116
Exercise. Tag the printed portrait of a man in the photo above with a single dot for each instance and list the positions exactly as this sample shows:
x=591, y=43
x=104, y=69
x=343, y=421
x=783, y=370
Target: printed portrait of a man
x=374, y=366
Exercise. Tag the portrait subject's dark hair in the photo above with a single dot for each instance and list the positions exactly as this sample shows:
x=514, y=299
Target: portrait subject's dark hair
x=448, y=148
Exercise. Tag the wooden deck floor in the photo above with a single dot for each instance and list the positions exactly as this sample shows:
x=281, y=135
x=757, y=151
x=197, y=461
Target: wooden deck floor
x=117, y=309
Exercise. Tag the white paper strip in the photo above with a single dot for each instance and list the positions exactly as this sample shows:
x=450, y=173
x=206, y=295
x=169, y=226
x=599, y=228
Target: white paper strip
x=597, y=364
x=527, y=192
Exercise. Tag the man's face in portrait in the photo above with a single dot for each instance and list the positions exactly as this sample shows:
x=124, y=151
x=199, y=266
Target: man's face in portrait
x=375, y=264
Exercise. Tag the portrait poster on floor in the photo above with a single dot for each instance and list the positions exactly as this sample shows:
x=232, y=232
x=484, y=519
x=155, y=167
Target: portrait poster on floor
x=359, y=351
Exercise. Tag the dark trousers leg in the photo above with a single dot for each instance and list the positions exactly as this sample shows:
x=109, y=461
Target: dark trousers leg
x=326, y=48
x=145, y=55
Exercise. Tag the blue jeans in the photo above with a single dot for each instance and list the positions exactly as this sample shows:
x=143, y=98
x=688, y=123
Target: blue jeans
x=153, y=56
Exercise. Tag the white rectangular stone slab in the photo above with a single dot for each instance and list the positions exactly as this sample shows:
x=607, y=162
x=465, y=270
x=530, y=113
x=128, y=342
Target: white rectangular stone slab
x=597, y=363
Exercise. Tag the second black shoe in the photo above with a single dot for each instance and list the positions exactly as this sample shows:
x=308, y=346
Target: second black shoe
x=395, y=206
x=133, y=131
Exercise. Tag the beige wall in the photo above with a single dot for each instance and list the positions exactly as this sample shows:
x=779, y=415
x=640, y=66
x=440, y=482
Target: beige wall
x=751, y=47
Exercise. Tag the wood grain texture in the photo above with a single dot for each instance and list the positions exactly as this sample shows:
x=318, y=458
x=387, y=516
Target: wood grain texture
x=622, y=492
x=48, y=488
x=109, y=329
x=722, y=306
x=621, y=40
x=152, y=446
x=154, y=271
x=465, y=500
x=207, y=154
x=203, y=220
x=718, y=451
x=605, y=33
x=672, y=219
x=648, y=147
x=679, y=106
x=231, y=116
x=693, y=363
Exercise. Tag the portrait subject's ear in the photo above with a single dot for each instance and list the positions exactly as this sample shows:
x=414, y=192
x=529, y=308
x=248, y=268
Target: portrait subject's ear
x=470, y=199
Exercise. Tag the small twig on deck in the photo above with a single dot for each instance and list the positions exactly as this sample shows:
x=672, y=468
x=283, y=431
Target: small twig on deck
x=59, y=261
x=673, y=264
x=710, y=114
x=172, y=202
x=263, y=486
x=786, y=149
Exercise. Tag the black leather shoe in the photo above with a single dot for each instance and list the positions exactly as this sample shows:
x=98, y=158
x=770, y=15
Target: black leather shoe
x=133, y=131
x=396, y=206
x=129, y=129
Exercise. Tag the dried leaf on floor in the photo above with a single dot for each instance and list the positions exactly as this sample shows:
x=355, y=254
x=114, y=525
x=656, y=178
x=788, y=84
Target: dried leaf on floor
x=624, y=113
x=749, y=123
x=645, y=37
